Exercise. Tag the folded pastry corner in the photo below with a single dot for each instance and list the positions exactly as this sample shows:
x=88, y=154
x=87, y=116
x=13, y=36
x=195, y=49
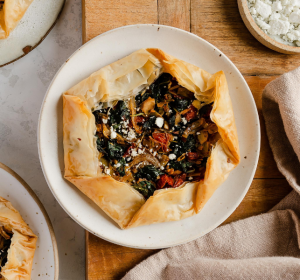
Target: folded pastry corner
x=17, y=244
x=149, y=138
x=11, y=12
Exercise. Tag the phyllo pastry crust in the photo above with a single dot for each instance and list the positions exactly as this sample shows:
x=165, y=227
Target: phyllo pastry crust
x=17, y=244
x=149, y=138
x=11, y=12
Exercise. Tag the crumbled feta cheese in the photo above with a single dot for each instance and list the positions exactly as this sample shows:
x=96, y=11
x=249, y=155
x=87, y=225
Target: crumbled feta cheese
x=262, y=24
x=263, y=9
x=154, y=154
x=131, y=134
x=107, y=170
x=162, y=168
x=113, y=134
x=151, y=150
x=290, y=37
x=159, y=122
x=276, y=6
x=184, y=120
x=278, y=27
x=295, y=3
x=117, y=165
x=175, y=137
x=128, y=159
x=172, y=156
x=134, y=153
x=277, y=18
x=285, y=2
x=253, y=11
x=140, y=151
x=297, y=34
x=294, y=17
x=288, y=9
x=104, y=120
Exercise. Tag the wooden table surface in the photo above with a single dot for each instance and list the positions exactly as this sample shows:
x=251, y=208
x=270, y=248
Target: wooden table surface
x=218, y=22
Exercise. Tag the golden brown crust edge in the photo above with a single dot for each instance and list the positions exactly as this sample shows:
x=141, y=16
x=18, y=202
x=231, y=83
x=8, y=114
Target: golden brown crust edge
x=109, y=195
x=23, y=244
x=176, y=204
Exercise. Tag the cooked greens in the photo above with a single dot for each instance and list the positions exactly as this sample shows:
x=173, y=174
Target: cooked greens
x=119, y=112
x=146, y=188
x=114, y=150
x=149, y=172
x=159, y=139
x=180, y=147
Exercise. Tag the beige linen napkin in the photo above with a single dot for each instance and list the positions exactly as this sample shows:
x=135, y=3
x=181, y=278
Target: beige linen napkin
x=261, y=247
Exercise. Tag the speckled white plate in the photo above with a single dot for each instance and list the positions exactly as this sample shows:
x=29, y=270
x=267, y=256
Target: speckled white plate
x=22, y=197
x=106, y=49
x=31, y=30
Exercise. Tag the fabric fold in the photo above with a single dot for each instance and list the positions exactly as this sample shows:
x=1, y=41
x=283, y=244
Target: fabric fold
x=266, y=246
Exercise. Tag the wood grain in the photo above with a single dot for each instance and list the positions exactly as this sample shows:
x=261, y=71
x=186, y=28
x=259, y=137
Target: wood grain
x=108, y=261
x=174, y=13
x=102, y=15
x=218, y=22
x=266, y=167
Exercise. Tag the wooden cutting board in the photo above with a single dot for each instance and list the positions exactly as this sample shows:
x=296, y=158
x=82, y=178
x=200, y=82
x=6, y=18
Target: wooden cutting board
x=219, y=23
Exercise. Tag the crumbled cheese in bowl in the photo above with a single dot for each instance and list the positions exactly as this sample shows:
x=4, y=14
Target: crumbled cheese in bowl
x=279, y=19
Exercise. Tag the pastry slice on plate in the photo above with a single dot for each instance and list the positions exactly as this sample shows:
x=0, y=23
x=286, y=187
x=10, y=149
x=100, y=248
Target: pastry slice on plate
x=17, y=244
x=11, y=12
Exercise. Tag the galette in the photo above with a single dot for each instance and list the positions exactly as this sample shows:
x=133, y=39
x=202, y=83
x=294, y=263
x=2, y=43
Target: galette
x=149, y=138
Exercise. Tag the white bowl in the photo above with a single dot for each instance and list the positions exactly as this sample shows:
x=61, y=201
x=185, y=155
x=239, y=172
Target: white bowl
x=261, y=36
x=104, y=50
x=32, y=29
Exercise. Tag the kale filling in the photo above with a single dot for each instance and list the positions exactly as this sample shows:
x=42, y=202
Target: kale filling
x=130, y=143
x=146, y=188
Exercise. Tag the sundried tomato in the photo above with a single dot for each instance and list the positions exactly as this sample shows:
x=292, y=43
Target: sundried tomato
x=179, y=180
x=191, y=114
x=192, y=156
x=163, y=139
x=160, y=137
x=140, y=120
x=165, y=181
x=128, y=151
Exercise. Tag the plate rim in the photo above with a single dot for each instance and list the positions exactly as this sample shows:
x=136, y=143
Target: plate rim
x=44, y=212
x=41, y=40
x=235, y=205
